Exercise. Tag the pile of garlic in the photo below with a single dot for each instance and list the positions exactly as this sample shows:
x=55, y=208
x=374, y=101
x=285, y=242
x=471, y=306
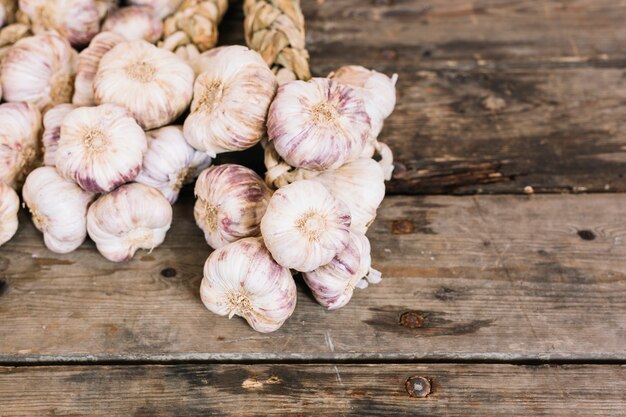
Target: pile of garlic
x=109, y=111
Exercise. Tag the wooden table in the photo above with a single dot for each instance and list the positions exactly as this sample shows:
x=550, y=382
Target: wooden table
x=494, y=301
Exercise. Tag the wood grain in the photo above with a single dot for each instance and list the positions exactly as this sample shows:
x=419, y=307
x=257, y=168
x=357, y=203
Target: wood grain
x=306, y=390
x=493, y=95
x=489, y=277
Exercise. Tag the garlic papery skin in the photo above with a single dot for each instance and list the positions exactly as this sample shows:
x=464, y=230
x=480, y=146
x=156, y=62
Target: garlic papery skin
x=153, y=84
x=9, y=206
x=58, y=208
x=279, y=173
x=52, y=121
x=199, y=163
x=88, y=62
x=106, y=7
x=20, y=127
x=135, y=22
x=76, y=20
x=242, y=279
x=167, y=162
x=304, y=226
x=161, y=8
x=9, y=35
x=7, y=11
x=100, y=147
x=361, y=185
x=318, y=124
x=231, y=200
x=377, y=90
x=231, y=97
x=134, y=216
x=39, y=69
x=333, y=284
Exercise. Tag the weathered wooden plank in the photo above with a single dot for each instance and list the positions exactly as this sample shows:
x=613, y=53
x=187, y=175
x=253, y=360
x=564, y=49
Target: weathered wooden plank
x=494, y=95
x=489, y=277
x=320, y=390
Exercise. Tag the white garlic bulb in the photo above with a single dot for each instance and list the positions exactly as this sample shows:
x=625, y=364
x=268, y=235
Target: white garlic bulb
x=52, y=121
x=304, y=226
x=361, y=185
x=76, y=20
x=231, y=200
x=242, y=279
x=333, y=284
x=167, y=163
x=39, y=69
x=318, y=124
x=135, y=22
x=153, y=84
x=377, y=90
x=100, y=147
x=231, y=98
x=162, y=8
x=9, y=206
x=88, y=62
x=58, y=209
x=20, y=127
x=132, y=217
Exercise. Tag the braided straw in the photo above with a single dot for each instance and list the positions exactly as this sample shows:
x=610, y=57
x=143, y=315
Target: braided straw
x=192, y=28
x=275, y=29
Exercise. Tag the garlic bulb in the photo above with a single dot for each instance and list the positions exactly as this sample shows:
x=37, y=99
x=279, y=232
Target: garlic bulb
x=52, y=121
x=132, y=217
x=58, y=208
x=11, y=34
x=333, y=284
x=230, y=102
x=88, y=62
x=39, y=69
x=361, y=185
x=135, y=22
x=162, y=8
x=100, y=147
x=167, y=162
x=9, y=206
x=153, y=84
x=318, y=125
x=377, y=90
x=20, y=126
x=76, y=20
x=242, y=279
x=304, y=226
x=231, y=202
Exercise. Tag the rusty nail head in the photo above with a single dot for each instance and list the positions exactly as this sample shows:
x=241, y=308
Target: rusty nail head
x=402, y=227
x=418, y=386
x=412, y=319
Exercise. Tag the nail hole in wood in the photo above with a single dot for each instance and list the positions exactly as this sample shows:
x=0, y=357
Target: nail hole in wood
x=586, y=234
x=168, y=272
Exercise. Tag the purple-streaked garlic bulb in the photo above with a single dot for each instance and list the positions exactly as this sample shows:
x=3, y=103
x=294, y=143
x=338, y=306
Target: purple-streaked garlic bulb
x=361, y=185
x=168, y=162
x=304, y=226
x=20, y=127
x=52, y=121
x=135, y=22
x=100, y=147
x=9, y=206
x=377, y=90
x=39, y=69
x=231, y=200
x=333, y=284
x=232, y=94
x=58, y=208
x=154, y=85
x=162, y=8
x=76, y=20
x=242, y=279
x=318, y=124
x=134, y=216
x=88, y=62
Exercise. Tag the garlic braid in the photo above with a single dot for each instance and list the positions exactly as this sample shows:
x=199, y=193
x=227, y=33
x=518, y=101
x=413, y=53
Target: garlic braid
x=275, y=29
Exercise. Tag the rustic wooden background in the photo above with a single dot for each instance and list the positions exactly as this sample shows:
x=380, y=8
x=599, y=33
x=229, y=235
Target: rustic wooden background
x=494, y=302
